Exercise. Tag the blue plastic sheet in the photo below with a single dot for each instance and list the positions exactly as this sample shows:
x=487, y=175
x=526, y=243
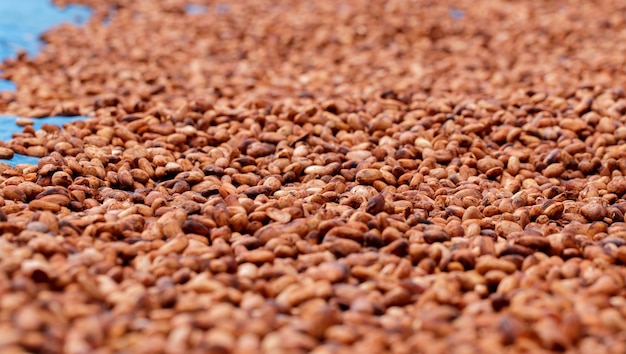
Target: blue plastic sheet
x=194, y=9
x=8, y=126
x=21, y=159
x=6, y=85
x=456, y=14
x=22, y=22
x=21, y=25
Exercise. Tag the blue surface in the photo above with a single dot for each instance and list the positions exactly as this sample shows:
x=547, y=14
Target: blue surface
x=20, y=159
x=6, y=85
x=21, y=24
x=8, y=126
x=222, y=9
x=193, y=9
x=23, y=21
x=456, y=14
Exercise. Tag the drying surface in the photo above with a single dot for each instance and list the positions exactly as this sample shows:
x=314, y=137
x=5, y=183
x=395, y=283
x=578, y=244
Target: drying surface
x=291, y=176
x=21, y=24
